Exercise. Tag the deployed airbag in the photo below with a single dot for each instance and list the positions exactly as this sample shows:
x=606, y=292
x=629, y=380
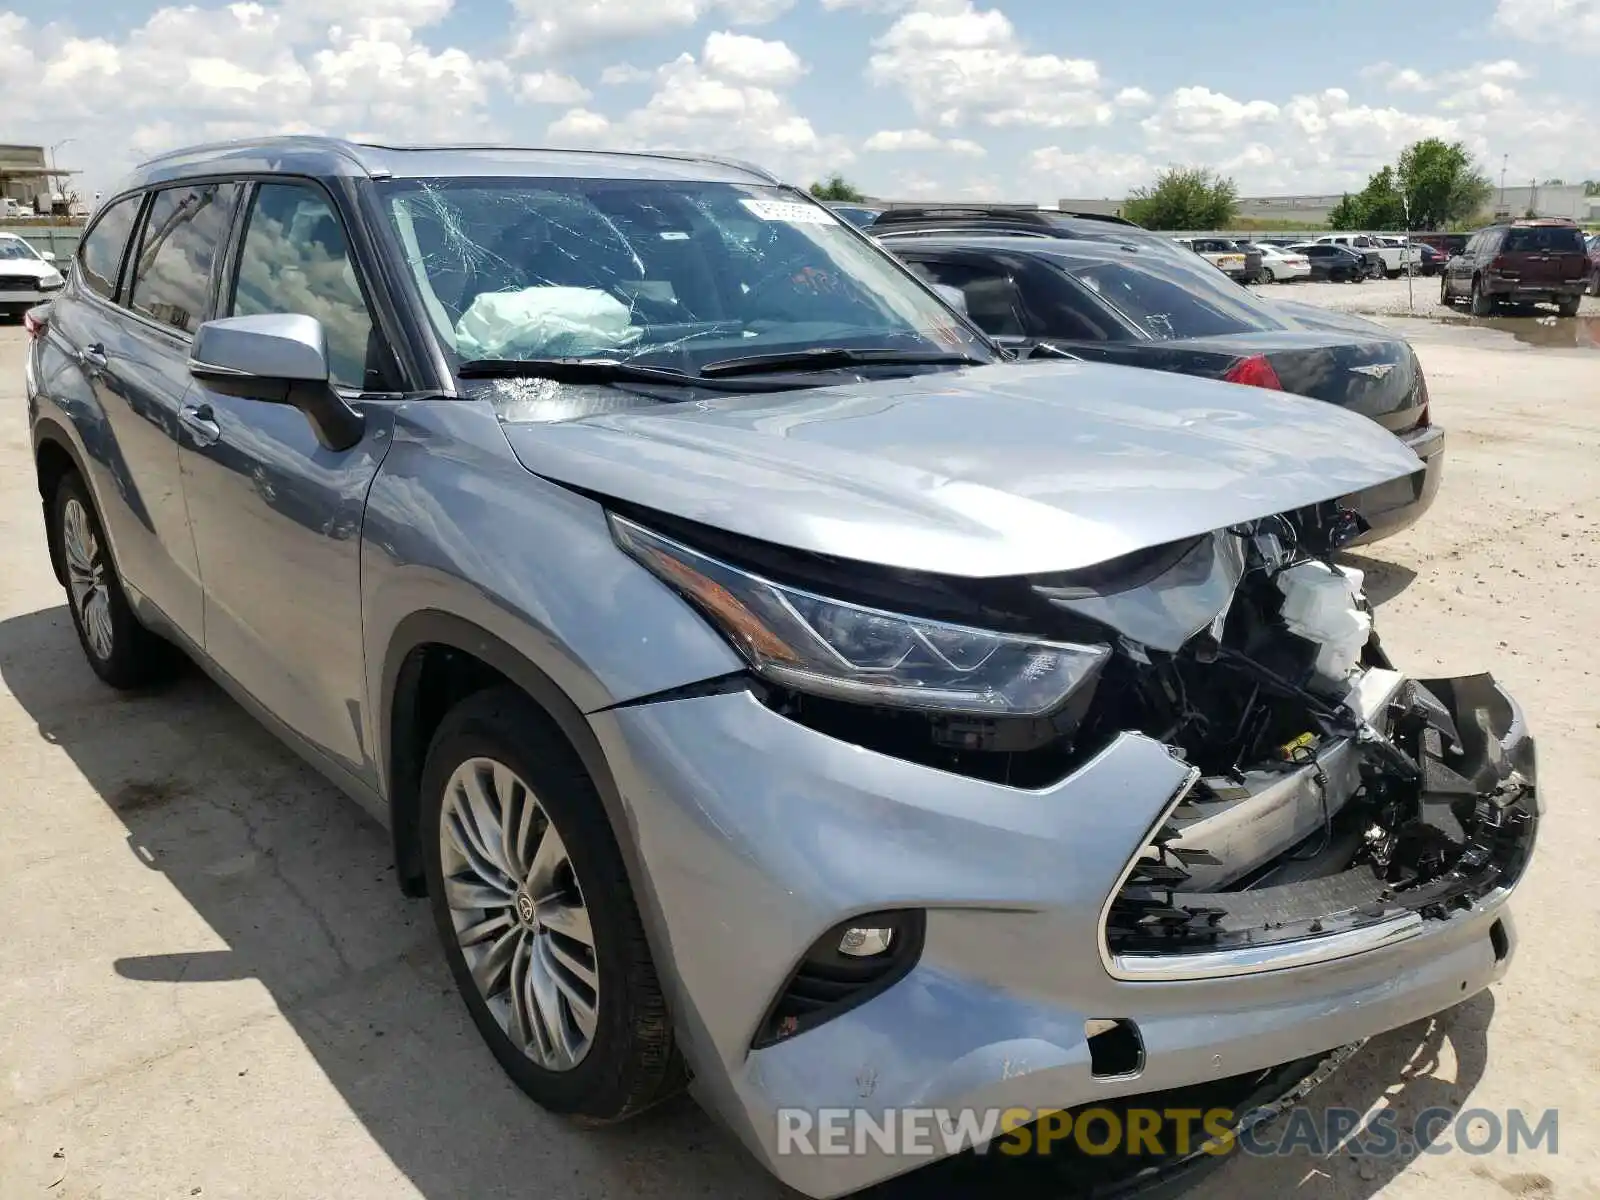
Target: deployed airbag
x=544, y=322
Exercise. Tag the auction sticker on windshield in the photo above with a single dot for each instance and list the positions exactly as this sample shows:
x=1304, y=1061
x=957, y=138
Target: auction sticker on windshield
x=785, y=210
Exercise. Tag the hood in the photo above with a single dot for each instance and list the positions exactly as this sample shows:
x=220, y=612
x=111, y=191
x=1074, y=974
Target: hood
x=35, y=268
x=1000, y=470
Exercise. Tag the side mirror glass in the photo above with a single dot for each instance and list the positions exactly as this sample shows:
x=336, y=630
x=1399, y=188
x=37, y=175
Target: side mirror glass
x=275, y=358
x=48, y=255
x=953, y=296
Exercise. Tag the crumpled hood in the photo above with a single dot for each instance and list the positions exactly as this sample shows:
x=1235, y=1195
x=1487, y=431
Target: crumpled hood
x=1000, y=470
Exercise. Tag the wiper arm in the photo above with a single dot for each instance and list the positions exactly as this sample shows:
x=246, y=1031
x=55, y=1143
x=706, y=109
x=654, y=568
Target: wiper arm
x=571, y=370
x=824, y=357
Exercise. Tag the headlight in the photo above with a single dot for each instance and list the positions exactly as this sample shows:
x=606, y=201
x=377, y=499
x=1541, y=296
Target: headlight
x=847, y=652
x=51, y=282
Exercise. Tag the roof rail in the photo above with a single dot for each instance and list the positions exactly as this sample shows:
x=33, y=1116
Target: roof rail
x=994, y=214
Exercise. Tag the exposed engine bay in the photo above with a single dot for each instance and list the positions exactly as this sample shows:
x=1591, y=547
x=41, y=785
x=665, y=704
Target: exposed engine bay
x=1330, y=791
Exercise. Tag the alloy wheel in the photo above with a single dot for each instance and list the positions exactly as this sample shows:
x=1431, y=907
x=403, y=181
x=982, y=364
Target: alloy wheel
x=519, y=913
x=86, y=578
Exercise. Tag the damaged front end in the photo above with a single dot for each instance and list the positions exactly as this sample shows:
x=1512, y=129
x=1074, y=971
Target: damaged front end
x=1337, y=805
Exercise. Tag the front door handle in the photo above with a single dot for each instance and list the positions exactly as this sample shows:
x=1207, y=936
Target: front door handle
x=201, y=423
x=94, y=355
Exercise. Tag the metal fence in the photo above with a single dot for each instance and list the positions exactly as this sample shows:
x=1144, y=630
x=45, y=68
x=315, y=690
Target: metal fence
x=60, y=240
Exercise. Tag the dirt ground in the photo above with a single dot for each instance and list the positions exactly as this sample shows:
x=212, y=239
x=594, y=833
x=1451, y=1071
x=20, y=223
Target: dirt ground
x=209, y=985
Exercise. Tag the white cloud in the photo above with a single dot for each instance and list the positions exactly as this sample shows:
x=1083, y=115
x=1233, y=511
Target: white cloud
x=895, y=140
x=551, y=87
x=544, y=27
x=1568, y=22
x=579, y=125
x=619, y=73
x=1134, y=97
x=751, y=60
x=955, y=62
x=1198, y=116
x=1089, y=174
x=1408, y=79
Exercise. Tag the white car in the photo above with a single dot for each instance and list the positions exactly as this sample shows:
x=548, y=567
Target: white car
x=1398, y=254
x=1280, y=266
x=26, y=276
x=1219, y=252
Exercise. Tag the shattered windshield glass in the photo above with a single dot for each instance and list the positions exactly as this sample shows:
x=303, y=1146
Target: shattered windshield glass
x=660, y=273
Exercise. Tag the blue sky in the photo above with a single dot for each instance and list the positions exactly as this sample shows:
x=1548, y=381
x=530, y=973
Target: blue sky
x=1015, y=99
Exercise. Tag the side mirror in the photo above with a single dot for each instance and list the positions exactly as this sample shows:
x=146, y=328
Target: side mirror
x=276, y=358
x=953, y=296
x=48, y=255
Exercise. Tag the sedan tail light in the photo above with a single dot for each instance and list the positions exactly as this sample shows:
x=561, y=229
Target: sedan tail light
x=1255, y=371
x=36, y=321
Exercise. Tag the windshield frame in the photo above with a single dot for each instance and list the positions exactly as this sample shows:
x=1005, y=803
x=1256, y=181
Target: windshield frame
x=379, y=206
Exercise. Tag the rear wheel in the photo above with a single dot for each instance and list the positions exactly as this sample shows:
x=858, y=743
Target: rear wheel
x=120, y=650
x=536, y=914
x=1594, y=283
x=1569, y=306
x=1266, y=275
x=1445, y=298
x=1481, y=305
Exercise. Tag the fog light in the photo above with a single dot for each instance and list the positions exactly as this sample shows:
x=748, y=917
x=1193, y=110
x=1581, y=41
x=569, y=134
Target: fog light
x=865, y=943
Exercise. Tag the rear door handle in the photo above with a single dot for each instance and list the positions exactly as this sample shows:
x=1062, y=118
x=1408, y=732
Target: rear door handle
x=94, y=355
x=201, y=423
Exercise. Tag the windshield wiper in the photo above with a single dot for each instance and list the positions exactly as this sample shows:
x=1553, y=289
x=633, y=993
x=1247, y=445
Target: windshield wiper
x=824, y=357
x=571, y=370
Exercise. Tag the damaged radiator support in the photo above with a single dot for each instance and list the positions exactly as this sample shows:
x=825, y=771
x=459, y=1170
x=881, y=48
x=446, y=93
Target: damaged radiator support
x=1417, y=822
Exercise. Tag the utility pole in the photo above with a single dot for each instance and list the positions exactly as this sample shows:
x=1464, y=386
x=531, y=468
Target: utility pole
x=1505, y=161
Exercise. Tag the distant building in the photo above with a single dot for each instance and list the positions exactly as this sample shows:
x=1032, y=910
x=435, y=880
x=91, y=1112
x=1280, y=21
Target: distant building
x=25, y=174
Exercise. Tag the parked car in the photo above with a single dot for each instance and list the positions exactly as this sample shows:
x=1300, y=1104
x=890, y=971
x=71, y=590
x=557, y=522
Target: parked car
x=1447, y=244
x=766, y=679
x=860, y=215
x=1431, y=261
x=1594, y=265
x=1340, y=264
x=1525, y=262
x=1279, y=265
x=1400, y=255
x=1228, y=257
x=27, y=277
x=1368, y=248
x=1108, y=303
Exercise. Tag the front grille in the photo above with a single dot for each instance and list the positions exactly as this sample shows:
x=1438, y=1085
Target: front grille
x=18, y=283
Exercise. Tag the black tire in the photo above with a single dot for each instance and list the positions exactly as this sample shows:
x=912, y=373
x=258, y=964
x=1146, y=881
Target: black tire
x=1594, y=282
x=1479, y=304
x=1266, y=275
x=1569, y=306
x=135, y=657
x=632, y=1061
x=1446, y=298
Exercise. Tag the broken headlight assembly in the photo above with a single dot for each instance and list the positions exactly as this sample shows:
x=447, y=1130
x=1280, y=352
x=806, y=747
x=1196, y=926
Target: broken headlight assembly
x=841, y=651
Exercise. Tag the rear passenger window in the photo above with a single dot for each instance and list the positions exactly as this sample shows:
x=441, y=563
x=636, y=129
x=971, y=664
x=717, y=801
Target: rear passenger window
x=1544, y=240
x=100, y=256
x=182, y=237
x=993, y=300
x=294, y=259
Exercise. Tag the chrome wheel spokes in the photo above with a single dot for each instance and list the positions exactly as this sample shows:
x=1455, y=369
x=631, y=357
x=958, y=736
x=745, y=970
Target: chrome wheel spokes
x=86, y=578
x=519, y=913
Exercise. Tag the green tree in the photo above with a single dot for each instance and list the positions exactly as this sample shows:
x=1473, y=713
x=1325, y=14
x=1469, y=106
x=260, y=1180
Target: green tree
x=1379, y=205
x=1184, y=198
x=1441, y=182
x=837, y=188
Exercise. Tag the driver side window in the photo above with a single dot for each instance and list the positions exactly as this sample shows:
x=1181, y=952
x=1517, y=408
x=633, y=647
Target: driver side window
x=295, y=259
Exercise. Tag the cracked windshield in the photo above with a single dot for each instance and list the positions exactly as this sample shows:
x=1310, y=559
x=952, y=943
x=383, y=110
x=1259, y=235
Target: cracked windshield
x=680, y=278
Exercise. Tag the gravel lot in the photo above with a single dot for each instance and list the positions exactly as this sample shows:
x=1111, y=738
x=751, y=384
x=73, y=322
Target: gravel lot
x=211, y=987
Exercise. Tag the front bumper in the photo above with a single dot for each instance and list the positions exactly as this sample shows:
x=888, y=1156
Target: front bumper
x=759, y=834
x=1392, y=507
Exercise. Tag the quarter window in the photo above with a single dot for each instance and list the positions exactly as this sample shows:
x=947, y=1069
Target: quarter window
x=100, y=256
x=993, y=299
x=182, y=235
x=295, y=259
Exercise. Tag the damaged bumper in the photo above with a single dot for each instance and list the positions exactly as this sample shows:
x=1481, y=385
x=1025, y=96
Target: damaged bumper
x=1023, y=944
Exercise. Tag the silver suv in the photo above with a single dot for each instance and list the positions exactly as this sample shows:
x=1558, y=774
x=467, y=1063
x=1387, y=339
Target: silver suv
x=766, y=679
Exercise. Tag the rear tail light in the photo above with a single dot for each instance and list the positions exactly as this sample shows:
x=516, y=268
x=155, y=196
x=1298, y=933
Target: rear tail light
x=1255, y=371
x=35, y=321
